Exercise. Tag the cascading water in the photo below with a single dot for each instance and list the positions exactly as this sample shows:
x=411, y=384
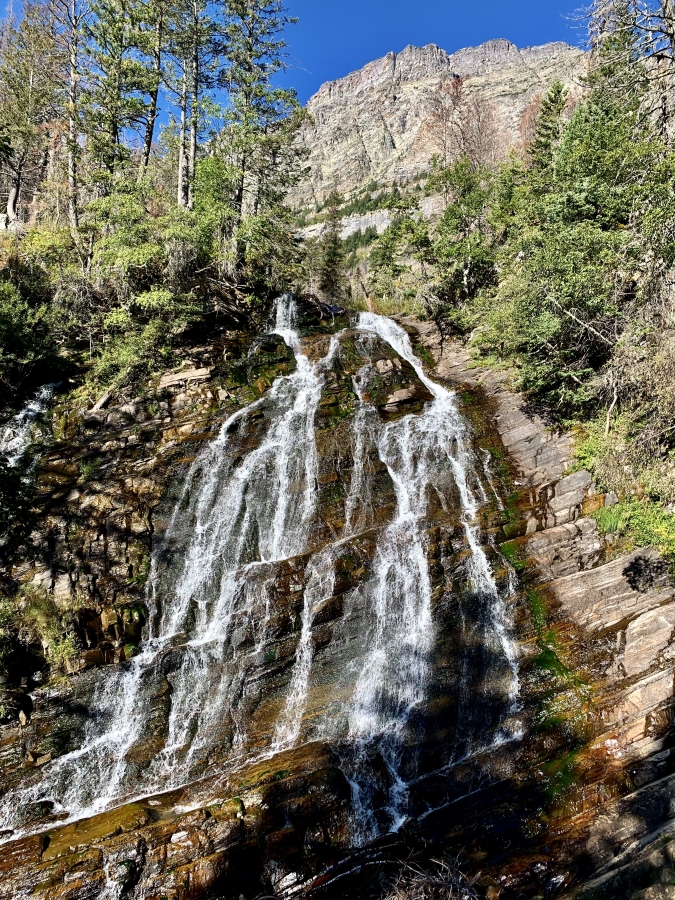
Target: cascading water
x=237, y=514
x=248, y=506
x=17, y=434
x=418, y=451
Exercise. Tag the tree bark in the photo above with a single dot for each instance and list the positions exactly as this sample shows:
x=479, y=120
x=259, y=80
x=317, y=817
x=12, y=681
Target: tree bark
x=194, y=107
x=154, y=95
x=13, y=196
x=668, y=15
x=182, y=197
x=73, y=212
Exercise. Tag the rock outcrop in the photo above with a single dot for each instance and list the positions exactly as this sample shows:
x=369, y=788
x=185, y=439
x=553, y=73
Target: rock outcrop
x=576, y=793
x=375, y=125
x=614, y=616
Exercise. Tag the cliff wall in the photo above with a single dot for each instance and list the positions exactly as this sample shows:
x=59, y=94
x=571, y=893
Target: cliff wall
x=376, y=125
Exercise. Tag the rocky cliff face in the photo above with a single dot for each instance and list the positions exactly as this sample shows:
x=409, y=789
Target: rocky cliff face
x=286, y=787
x=374, y=125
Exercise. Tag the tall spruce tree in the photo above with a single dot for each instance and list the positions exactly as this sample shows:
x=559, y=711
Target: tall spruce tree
x=117, y=79
x=549, y=127
x=261, y=118
x=332, y=282
x=31, y=67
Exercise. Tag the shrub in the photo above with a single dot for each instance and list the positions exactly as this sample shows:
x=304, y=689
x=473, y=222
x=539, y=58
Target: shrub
x=445, y=882
x=25, y=336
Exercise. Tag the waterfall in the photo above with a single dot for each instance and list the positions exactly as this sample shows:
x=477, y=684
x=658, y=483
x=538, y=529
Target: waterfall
x=238, y=512
x=17, y=434
x=417, y=451
x=249, y=505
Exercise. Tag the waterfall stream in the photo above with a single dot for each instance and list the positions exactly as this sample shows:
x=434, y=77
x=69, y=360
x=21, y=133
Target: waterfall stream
x=17, y=434
x=246, y=508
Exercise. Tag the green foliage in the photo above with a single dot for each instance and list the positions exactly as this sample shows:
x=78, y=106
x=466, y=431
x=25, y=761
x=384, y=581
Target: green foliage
x=16, y=515
x=89, y=469
x=6, y=150
x=642, y=522
x=26, y=338
x=358, y=239
x=549, y=127
x=462, y=246
x=38, y=618
x=369, y=200
x=32, y=619
x=130, y=357
x=332, y=272
x=117, y=256
x=608, y=519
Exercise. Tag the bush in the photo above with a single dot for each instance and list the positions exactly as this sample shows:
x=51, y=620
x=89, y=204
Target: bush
x=26, y=338
x=446, y=882
x=643, y=523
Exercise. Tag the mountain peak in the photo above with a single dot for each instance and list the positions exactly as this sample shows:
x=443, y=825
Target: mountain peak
x=373, y=124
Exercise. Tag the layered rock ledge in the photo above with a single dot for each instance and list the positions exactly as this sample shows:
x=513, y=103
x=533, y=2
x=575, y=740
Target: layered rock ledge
x=581, y=798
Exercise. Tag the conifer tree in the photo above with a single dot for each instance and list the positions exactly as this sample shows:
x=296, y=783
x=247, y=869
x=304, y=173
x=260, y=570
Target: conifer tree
x=257, y=138
x=30, y=69
x=153, y=45
x=116, y=79
x=332, y=280
x=549, y=127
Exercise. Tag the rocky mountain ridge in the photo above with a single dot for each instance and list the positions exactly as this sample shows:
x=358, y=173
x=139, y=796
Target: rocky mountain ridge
x=374, y=124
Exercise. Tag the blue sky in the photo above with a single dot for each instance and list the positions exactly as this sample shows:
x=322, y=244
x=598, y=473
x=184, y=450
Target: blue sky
x=335, y=37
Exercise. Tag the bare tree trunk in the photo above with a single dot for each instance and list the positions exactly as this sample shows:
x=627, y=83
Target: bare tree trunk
x=154, y=95
x=73, y=213
x=36, y=199
x=194, y=108
x=668, y=15
x=182, y=180
x=236, y=249
x=13, y=196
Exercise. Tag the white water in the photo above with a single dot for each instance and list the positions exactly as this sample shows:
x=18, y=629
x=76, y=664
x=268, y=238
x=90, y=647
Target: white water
x=249, y=503
x=417, y=451
x=17, y=435
x=234, y=517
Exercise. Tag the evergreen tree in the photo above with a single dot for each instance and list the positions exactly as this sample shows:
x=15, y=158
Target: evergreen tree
x=261, y=120
x=152, y=40
x=31, y=67
x=6, y=150
x=549, y=127
x=332, y=280
x=116, y=80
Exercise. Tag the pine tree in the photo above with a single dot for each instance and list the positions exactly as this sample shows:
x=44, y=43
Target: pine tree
x=261, y=118
x=30, y=70
x=333, y=280
x=549, y=127
x=153, y=45
x=117, y=80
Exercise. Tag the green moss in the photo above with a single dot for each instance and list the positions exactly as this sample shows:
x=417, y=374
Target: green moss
x=561, y=776
x=511, y=550
x=539, y=609
x=142, y=572
x=511, y=517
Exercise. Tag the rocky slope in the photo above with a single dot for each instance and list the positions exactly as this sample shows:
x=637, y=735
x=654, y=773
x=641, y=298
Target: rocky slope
x=575, y=793
x=375, y=125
